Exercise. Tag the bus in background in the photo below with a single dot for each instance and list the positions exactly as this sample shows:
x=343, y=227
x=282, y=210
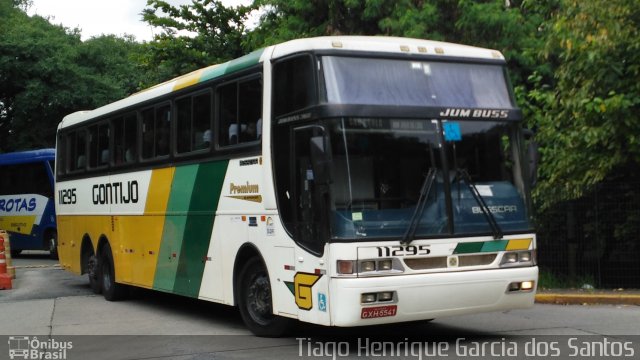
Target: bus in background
x=27, y=210
x=341, y=181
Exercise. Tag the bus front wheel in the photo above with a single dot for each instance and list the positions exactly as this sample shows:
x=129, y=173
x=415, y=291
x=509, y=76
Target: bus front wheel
x=111, y=290
x=255, y=302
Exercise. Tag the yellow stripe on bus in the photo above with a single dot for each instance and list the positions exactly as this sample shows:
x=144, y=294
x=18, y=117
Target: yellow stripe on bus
x=144, y=233
x=159, y=191
x=187, y=80
x=518, y=244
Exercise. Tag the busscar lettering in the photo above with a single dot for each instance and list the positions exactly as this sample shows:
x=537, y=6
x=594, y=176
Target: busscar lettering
x=115, y=193
x=475, y=113
x=496, y=209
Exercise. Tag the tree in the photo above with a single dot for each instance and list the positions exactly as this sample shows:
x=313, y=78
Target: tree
x=193, y=36
x=47, y=72
x=589, y=123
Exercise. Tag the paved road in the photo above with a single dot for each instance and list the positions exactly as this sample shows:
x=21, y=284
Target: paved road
x=53, y=305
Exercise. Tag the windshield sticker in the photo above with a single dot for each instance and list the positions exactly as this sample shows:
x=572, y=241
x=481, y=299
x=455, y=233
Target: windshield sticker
x=452, y=131
x=484, y=190
x=356, y=216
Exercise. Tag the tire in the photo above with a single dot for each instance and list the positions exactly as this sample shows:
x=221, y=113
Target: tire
x=255, y=302
x=111, y=290
x=52, y=244
x=93, y=271
x=15, y=253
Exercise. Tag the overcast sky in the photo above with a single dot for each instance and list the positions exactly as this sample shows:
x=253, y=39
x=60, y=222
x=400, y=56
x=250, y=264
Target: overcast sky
x=97, y=17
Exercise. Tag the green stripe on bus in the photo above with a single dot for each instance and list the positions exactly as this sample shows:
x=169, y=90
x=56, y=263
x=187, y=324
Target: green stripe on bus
x=495, y=246
x=469, y=247
x=245, y=61
x=197, y=235
x=232, y=66
x=174, y=227
x=482, y=246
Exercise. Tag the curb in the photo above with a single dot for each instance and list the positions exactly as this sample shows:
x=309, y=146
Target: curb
x=588, y=299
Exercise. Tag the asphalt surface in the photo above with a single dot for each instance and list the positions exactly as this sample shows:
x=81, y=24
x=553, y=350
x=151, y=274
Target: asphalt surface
x=49, y=304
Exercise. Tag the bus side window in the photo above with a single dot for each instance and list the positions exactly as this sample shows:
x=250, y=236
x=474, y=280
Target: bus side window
x=77, y=149
x=228, y=97
x=99, y=145
x=156, y=125
x=193, y=123
x=125, y=139
x=240, y=112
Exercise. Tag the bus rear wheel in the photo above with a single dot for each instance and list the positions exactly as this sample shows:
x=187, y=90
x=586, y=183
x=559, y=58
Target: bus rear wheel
x=111, y=290
x=255, y=302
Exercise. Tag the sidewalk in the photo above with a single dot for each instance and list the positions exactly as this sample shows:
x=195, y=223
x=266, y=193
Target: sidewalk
x=588, y=297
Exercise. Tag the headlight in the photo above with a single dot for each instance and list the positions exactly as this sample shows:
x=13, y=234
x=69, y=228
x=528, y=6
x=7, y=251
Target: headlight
x=367, y=266
x=518, y=258
x=385, y=265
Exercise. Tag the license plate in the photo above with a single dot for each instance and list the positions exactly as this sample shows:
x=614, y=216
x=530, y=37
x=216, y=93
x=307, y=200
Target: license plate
x=379, y=311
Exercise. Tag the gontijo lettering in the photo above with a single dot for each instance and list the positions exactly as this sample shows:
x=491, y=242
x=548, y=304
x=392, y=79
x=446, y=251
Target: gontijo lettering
x=115, y=193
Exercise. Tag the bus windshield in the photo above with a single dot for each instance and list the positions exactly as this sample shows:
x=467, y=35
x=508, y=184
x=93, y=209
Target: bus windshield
x=379, y=167
x=353, y=80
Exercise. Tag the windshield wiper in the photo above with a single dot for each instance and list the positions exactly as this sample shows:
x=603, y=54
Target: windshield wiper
x=491, y=220
x=417, y=213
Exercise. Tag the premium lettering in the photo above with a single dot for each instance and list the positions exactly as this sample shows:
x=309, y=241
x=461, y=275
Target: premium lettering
x=244, y=189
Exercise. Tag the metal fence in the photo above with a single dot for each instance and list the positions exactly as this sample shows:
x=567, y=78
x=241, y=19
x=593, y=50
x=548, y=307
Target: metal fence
x=594, y=240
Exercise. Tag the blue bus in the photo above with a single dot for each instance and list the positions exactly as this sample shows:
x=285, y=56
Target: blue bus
x=27, y=209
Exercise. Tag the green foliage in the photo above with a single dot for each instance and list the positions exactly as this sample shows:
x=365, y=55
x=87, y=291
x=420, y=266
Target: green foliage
x=574, y=64
x=192, y=36
x=587, y=119
x=47, y=72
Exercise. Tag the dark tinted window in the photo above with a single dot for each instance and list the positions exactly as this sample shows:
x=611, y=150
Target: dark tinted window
x=125, y=139
x=240, y=112
x=76, y=144
x=99, y=145
x=193, y=123
x=293, y=85
x=156, y=125
x=31, y=178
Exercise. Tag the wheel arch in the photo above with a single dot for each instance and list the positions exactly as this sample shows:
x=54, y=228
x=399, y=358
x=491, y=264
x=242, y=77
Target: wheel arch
x=246, y=252
x=102, y=241
x=86, y=250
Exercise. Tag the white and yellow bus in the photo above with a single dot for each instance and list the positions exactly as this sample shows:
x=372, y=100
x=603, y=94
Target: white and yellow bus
x=341, y=181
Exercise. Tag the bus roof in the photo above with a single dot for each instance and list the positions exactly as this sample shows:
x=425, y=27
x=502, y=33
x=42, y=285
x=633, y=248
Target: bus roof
x=369, y=44
x=21, y=157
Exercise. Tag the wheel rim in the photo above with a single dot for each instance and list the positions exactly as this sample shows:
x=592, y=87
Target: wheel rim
x=52, y=244
x=259, y=298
